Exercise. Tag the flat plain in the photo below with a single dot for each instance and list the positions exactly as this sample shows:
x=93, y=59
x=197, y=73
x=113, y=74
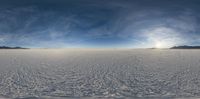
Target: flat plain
x=99, y=73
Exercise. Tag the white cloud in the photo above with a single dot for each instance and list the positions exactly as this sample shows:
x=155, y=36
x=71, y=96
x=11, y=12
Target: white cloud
x=168, y=37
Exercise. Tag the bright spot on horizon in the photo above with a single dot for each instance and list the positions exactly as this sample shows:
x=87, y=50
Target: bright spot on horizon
x=162, y=37
x=159, y=45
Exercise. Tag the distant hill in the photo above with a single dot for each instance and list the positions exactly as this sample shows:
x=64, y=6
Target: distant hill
x=186, y=47
x=7, y=47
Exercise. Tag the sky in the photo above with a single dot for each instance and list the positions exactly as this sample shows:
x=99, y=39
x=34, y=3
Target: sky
x=99, y=23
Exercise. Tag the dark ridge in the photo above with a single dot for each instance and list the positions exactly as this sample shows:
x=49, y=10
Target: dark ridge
x=186, y=47
x=7, y=47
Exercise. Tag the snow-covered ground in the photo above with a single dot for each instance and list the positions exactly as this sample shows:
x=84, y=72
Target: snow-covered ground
x=99, y=73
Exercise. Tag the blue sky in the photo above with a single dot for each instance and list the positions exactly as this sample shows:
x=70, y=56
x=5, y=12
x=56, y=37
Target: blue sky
x=99, y=23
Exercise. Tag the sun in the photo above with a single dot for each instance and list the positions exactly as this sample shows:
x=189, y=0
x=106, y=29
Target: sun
x=159, y=45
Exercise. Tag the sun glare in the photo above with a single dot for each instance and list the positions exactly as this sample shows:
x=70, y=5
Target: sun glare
x=159, y=45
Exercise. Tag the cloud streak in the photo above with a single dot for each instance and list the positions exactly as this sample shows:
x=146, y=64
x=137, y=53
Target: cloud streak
x=90, y=23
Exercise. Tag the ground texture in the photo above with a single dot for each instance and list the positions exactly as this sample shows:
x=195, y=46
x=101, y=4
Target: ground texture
x=94, y=74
